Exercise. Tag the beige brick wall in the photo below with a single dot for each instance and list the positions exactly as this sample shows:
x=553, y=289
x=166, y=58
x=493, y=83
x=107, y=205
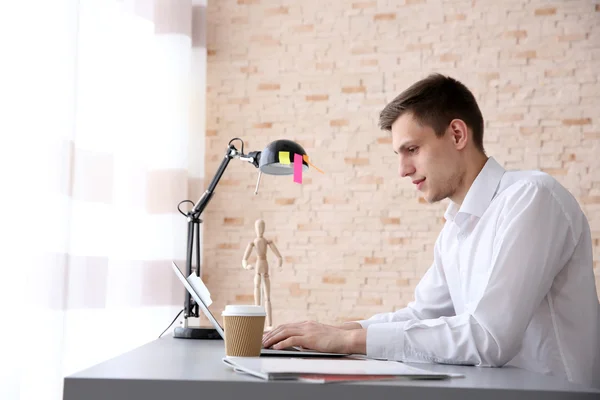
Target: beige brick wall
x=357, y=239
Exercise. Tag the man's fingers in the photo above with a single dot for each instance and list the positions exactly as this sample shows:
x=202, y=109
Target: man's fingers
x=289, y=342
x=282, y=336
x=273, y=332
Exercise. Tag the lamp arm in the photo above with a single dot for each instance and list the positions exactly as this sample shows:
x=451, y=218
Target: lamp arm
x=231, y=153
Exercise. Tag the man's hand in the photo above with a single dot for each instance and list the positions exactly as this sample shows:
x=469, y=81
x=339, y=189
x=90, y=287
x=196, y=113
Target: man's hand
x=315, y=336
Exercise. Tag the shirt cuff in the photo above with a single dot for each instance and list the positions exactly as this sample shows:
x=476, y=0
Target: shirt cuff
x=385, y=341
x=365, y=323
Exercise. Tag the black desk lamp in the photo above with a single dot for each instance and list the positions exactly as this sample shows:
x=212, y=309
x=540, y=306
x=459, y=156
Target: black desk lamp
x=268, y=162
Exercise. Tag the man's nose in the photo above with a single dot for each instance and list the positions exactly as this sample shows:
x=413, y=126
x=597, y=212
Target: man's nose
x=405, y=169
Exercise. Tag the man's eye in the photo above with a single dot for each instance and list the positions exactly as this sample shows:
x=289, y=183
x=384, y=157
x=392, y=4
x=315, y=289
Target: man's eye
x=412, y=150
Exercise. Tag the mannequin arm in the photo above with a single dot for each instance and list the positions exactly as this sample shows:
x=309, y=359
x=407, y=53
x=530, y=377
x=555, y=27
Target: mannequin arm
x=247, y=255
x=277, y=254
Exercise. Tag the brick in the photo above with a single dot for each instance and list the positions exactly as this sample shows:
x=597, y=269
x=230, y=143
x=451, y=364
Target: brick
x=490, y=76
x=265, y=40
x=244, y=298
x=334, y=280
x=517, y=34
x=317, y=97
x=277, y=11
x=413, y=2
x=591, y=135
x=384, y=17
x=285, y=201
x=454, y=17
x=363, y=50
x=334, y=200
x=558, y=73
x=384, y=140
x=324, y=66
x=338, y=122
x=390, y=221
x=364, y=4
x=402, y=282
x=240, y=20
x=228, y=246
x=240, y=100
x=211, y=53
x=249, y=70
x=422, y=200
x=303, y=28
x=590, y=200
x=545, y=11
x=374, y=260
x=263, y=125
x=370, y=301
x=233, y=221
x=356, y=161
x=396, y=241
x=211, y=132
x=418, y=46
x=509, y=88
x=354, y=89
x=530, y=130
x=572, y=38
x=449, y=57
x=229, y=181
x=269, y=86
x=526, y=54
x=369, y=63
x=510, y=117
x=368, y=180
x=598, y=7
x=555, y=171
x=309, y=227
x=577, y=121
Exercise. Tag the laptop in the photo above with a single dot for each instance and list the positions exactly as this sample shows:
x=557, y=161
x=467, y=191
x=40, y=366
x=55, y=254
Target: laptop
x=198, y=291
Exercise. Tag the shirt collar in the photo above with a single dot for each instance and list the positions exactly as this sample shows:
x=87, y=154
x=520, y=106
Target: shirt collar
x=480, y=194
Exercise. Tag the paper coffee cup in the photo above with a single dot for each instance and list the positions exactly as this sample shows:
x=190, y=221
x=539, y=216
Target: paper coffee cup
x=244, y=326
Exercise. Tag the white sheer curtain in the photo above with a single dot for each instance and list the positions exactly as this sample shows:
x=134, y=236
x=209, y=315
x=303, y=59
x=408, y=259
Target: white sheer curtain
x=100, y=104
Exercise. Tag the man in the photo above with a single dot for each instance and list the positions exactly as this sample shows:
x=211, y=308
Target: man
x=512, y=279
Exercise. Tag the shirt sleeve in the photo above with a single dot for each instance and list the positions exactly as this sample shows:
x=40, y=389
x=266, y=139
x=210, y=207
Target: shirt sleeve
x=533, y=240
x=432, y=297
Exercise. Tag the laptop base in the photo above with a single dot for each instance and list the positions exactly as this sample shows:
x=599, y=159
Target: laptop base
x=196, y=333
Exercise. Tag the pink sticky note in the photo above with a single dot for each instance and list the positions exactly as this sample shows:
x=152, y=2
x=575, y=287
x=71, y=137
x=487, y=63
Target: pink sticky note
x=297, y=168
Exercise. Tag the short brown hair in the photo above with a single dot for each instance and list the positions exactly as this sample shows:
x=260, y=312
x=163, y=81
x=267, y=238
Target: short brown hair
x=435, y=101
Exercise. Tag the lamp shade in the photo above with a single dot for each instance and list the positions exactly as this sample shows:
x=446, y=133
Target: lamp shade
x=270, y=162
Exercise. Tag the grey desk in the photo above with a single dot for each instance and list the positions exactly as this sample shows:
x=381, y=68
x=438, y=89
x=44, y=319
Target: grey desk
x=188, y=369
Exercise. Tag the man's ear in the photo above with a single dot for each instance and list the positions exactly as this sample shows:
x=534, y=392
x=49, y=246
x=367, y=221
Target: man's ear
x=459, y=133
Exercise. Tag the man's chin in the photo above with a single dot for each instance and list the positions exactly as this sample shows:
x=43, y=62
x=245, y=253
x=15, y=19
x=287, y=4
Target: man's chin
x=430, y=199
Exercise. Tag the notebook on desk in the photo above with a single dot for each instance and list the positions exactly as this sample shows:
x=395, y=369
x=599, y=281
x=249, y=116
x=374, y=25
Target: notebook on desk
x=274, y=369
x=201, y=295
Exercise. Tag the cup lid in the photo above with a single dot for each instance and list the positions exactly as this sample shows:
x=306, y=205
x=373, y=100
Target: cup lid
x=242, y=310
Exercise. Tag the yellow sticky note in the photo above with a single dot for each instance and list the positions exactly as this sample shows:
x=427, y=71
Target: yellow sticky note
x=284, y=157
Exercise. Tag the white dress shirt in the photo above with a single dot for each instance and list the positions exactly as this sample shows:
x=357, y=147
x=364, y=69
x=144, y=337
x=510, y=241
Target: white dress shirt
x=511, y=283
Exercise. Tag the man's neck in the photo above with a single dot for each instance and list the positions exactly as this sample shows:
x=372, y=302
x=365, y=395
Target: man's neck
x=473, y=169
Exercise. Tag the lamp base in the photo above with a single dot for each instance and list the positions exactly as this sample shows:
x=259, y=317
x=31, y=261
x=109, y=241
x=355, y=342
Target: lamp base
x=196, y=333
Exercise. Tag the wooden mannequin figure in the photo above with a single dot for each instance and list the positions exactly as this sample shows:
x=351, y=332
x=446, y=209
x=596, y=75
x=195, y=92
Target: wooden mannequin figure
x=262, y=267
